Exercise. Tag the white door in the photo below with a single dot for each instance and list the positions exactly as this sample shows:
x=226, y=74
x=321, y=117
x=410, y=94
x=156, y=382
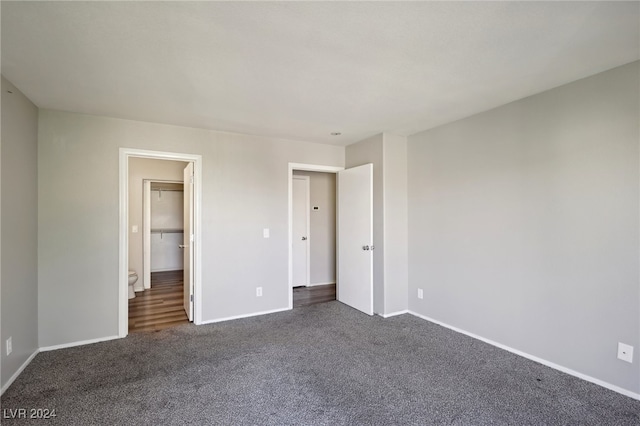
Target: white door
x=355, y=238
x=300, y=216
x=188, y=242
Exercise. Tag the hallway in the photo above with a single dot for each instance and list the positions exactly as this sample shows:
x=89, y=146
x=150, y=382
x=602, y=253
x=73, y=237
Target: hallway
x=306, y=296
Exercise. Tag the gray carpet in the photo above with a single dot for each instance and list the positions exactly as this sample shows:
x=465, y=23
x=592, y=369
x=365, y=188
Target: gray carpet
x=320, y=365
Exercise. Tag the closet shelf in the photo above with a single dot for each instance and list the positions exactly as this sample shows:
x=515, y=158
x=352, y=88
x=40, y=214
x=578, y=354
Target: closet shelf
x=167, y=231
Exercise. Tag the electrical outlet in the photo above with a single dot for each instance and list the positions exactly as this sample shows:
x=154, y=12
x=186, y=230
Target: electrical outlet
x=9, y=346
x=420, y=294
x=134, y=229
x=265, y=233
x=625, y=352
x=258, y=291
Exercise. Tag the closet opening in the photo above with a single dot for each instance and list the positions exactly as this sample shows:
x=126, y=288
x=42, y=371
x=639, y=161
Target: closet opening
x=163, y=229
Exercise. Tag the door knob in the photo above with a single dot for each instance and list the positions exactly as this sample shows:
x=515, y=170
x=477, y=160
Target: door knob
x=182, y=246
x=304, y=238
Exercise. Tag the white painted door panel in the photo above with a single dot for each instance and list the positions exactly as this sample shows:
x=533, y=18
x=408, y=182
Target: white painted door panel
x=355, y=237
x=300, y=243
x=188, y=241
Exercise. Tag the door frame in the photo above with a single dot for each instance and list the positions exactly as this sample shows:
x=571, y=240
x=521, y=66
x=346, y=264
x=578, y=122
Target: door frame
x=305, y=168
x=307, y=181
x=123, y=261
x=146, y=228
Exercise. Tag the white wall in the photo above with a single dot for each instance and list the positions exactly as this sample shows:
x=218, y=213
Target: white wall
x=396, y=274
x=322, y=240
x=388, y=154
x=244, y=189
x=167, y=209
x=140, y=169
x=357, y=154
x=19, y=223
x=166, y=255
x=523, y=225
x=167, y=230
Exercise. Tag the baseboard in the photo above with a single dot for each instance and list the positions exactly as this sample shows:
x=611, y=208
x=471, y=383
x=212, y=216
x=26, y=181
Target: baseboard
x=80, y=343
x=254, y=314
x=550, y=364
x=19, y=371
x=393, y=314
x=316, y=284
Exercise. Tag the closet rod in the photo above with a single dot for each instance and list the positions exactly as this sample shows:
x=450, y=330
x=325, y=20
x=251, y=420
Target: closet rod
x=166, y=231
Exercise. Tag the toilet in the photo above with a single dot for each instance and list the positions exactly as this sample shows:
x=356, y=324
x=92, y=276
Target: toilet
x=133, y=277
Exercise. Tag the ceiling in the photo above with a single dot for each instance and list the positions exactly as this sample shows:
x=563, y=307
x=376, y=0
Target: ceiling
x=302, y=70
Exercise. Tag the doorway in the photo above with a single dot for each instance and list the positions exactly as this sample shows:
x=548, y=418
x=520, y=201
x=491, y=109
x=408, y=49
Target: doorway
x=353, y=236
x=314, y=237
x=312, y=234
x=191, y=241
x=157, y=301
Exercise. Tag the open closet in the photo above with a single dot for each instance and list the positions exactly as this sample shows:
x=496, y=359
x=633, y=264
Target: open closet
x=163, y=227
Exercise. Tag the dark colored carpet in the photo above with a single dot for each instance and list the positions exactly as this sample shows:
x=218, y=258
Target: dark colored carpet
x=325, y=364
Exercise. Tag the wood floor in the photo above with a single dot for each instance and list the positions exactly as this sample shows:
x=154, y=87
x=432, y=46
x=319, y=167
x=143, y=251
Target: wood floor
x=159, y=307
x=305, y=296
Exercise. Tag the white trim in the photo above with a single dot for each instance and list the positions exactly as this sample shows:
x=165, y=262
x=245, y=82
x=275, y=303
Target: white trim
x=393, y=314
x=123, y=249
x=372, y=272
x=314, y=168
x=19, y=371
x=79, y=343
x=166, y=270
x=308, y=207
x=535, y=358
x=308, y=168
x=254, y=314
x=146, y=234
x=123, y=300
x=317, y=284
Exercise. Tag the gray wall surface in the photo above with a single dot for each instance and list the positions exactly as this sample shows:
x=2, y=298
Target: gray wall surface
x=19, y=224
x=395, y=223
x=139, y=170
x=357, y=154
x=244, y=189
x=322, y=227
x=523, y=224
x=388, y=154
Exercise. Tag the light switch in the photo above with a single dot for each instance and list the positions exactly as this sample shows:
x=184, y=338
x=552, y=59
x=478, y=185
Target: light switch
x=134, y=229
x=265, y=232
